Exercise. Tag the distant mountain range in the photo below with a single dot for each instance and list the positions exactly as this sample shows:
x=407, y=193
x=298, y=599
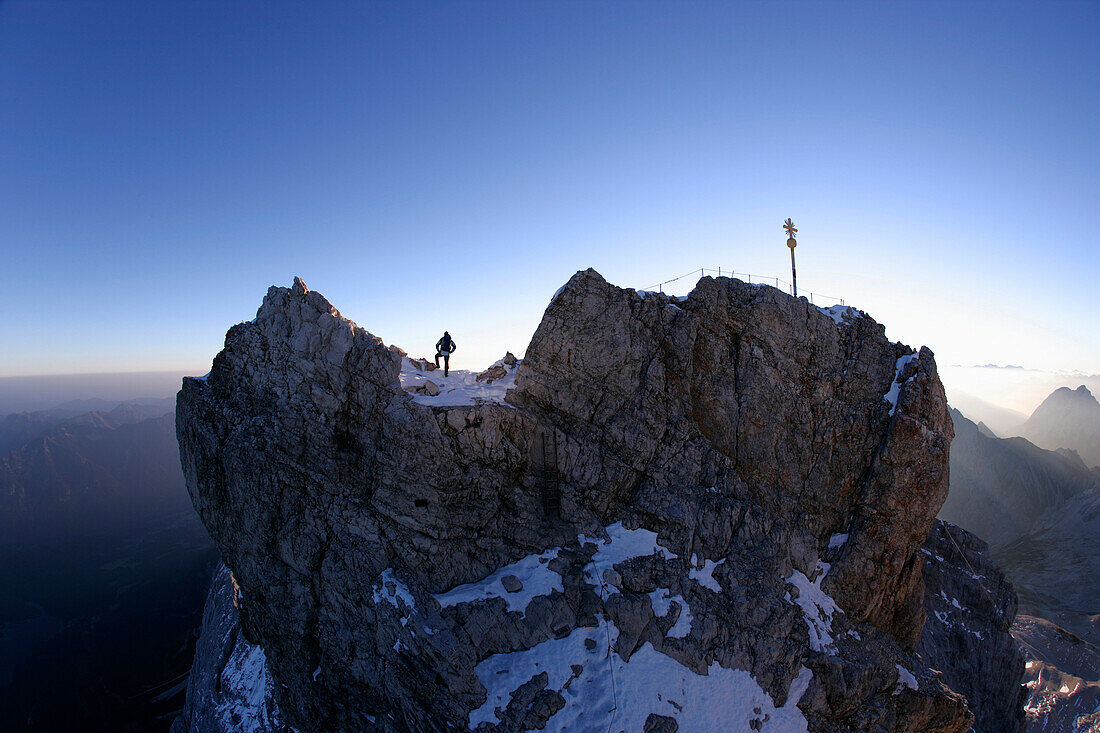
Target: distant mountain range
x=1068, y=419
x=62, y=474
x=1001, y=486
x=103, y=566
x=1040, y=512
x=999, y=420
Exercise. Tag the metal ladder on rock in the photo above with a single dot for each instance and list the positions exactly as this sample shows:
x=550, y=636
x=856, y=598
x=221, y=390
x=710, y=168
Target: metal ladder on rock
x=551, y=483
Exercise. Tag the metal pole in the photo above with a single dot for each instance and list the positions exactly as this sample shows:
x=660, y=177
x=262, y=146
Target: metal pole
x=794, y=275
x=791, y=231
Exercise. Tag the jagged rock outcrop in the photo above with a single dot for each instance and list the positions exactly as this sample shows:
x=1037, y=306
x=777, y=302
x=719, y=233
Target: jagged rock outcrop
x=970, y=608
x=230, y=688
x=721, y=497
x=1063, y=678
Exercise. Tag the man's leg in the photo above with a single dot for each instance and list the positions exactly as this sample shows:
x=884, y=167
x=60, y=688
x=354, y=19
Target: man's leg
x=446, y=364
x=437, y=355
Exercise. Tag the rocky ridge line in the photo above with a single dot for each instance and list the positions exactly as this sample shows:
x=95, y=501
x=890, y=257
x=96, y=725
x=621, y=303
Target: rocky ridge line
x=742, y=485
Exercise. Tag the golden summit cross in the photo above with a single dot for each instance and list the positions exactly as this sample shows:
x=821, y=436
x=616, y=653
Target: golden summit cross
x=789, y=226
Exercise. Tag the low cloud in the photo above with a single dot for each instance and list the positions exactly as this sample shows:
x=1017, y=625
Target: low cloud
x=1076, y=373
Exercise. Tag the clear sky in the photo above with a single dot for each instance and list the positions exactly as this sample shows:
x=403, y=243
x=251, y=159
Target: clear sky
x=435, y=165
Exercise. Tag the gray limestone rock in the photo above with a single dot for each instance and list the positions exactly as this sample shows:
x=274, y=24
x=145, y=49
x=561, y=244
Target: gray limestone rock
x=229, y=688
x=705, y=454
x=970, y=607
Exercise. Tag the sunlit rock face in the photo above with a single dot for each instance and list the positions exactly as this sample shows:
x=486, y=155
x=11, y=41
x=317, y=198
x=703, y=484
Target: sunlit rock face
x=686, y=514
x=1062, y=678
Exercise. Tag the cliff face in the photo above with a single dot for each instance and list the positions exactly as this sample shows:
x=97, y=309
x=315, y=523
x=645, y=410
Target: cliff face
x=971, y=607
x=229, y=688
x=680, y=499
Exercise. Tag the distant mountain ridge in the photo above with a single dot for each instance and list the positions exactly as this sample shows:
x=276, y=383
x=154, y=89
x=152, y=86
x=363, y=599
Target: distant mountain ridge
x=1000, y=487
x=20, y=427
x=1068, y=418
x=103, y=566
x=999, y=420
x=58, y=476
x=1040, y=509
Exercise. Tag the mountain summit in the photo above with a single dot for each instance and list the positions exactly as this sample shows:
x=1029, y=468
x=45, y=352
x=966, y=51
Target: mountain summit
x=1068, y=418
x=700, y=513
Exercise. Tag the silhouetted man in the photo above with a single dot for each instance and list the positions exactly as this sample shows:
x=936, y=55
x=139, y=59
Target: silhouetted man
x=445, y=347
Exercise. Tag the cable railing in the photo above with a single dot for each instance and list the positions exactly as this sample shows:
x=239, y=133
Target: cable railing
x=775, y=282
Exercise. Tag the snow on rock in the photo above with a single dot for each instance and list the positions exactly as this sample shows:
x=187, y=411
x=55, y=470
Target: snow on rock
x=458, y=388
x=533, y=572
x=818, y=607
x=245, y=685
x=841, y=313
x=230, y=687
x=895, y=386
x=705, y=576
x=388, y=588
x=661, y=600
x=905, y=679
x=837, y=540
x=621, y=545
x=604, y=692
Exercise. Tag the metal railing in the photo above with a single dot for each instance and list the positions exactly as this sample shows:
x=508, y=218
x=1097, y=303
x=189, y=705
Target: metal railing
x=775, y=282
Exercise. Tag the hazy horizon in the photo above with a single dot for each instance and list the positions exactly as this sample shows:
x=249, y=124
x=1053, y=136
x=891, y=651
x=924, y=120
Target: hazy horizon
x=450, y=167
x=32, y=393
x=1011, y=388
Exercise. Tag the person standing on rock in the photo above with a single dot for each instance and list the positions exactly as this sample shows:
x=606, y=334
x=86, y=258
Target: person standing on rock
x=445, y=347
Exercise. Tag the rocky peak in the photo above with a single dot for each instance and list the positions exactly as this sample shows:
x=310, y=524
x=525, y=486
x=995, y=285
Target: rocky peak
x=735, y=484
x=1067, y=418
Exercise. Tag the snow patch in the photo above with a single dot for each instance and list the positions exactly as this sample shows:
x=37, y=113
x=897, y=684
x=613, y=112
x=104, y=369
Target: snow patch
x=841, y=313
x=460, y=387
x=662, y=599
x=245, y=685
x=622, y=545
x=837, y=540
x=905, y=679
x=532, y=571
x=818, y=607
x=388, y=588
x=895, y=386
x=608, y=693
x=705, y=576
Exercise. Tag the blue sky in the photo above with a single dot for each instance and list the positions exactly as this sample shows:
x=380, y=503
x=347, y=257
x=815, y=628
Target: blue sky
x=435, y=165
